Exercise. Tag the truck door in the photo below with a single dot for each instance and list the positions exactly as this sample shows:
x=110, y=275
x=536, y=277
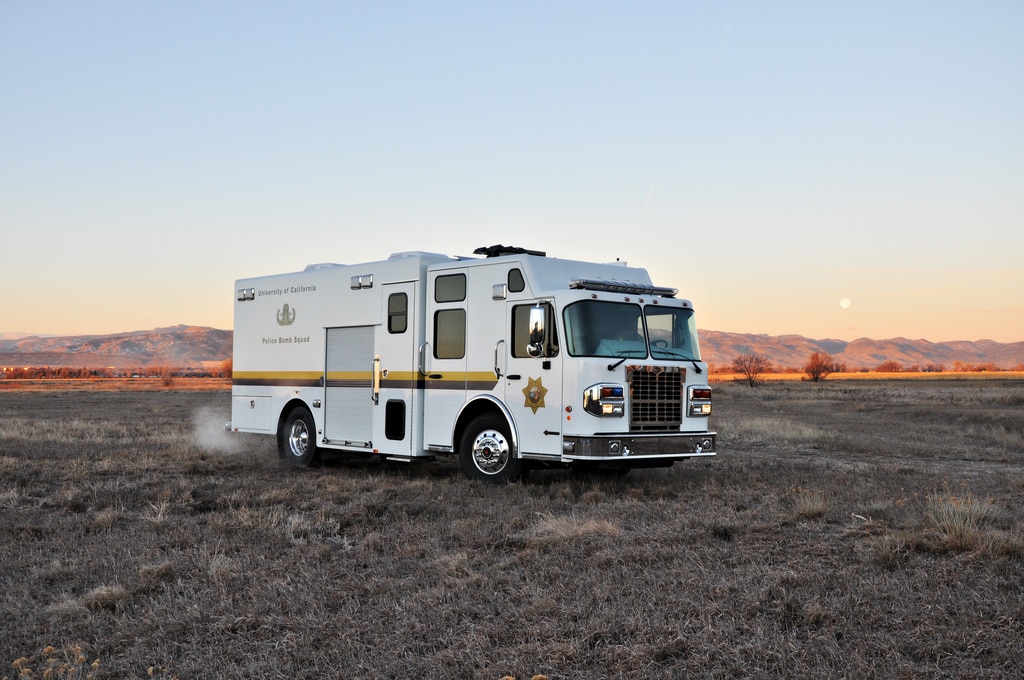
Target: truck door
x=533, y=384
x=393, y=430
x=442, y=356
x=348, y=382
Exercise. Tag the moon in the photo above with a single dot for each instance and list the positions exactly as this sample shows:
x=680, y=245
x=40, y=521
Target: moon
x=845, y=303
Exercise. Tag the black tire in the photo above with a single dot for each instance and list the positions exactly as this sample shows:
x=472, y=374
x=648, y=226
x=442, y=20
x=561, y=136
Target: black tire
x=297, y=439
x=486, y=451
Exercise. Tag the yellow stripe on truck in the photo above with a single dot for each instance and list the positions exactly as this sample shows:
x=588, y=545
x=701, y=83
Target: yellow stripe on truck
x=278, y=378
x=472, y=380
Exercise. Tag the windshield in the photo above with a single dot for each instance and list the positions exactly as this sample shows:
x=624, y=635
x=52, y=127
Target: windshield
x=673, y=333
x=617, y=329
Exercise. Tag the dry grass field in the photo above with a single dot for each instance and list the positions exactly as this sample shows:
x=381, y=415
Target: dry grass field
x=868, y=529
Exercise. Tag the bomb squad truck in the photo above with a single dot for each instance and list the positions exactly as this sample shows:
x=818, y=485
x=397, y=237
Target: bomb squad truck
x=508, y=360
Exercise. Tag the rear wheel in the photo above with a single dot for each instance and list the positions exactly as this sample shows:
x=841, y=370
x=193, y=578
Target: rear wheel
x=297, y=439
x=486, y=451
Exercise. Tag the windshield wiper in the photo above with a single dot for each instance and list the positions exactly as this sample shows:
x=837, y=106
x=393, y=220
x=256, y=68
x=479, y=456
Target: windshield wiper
x=612, y=367
x=676, y=355
x=627, y=354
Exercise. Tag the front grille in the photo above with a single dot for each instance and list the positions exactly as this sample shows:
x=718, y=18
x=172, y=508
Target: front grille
x=655, y=398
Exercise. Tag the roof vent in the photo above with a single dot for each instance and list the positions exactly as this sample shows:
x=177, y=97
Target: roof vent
x=321, y=265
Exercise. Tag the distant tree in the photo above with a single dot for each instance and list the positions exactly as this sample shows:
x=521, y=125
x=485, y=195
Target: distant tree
x=890, y=366
x=961, y=367
x=165, y=373
x=819, y=366
x=751, y=366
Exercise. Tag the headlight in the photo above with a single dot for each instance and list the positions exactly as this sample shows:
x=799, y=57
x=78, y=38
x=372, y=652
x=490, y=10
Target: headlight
x=698, y=398
x=604, y=400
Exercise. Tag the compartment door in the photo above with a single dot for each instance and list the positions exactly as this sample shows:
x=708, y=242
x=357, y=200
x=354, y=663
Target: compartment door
x=348, y=379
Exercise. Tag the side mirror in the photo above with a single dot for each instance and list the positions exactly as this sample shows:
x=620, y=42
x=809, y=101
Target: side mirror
x=535, y=348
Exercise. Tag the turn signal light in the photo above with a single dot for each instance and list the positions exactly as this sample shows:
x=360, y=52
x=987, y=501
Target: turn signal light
x=604, y=400
x=698, y=398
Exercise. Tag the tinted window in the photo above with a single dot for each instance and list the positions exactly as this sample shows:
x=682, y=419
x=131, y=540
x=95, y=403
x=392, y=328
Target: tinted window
x=450, y=288
x=516, y=284
x=398, y=312
x=450, y=334
x=521, y=331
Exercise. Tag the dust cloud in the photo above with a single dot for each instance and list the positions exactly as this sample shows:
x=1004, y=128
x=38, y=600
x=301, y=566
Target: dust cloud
x=208, y=431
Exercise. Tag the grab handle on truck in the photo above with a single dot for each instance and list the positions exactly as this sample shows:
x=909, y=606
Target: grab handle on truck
x=497, y=346
x=423, y=363
x=375, y=395
x=422, y=358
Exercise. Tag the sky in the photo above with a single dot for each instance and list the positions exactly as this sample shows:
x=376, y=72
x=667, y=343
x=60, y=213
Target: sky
x=768, y=159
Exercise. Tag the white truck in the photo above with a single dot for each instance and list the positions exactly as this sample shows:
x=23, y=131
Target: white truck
x=508, y=360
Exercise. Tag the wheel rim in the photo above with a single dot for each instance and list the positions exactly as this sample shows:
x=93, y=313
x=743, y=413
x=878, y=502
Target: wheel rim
x=298, y=439
x=490, y=452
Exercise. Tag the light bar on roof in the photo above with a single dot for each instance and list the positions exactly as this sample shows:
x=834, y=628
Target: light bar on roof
x=622, y=287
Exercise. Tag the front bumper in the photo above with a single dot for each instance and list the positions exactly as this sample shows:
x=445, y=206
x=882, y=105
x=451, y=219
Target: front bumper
x=626, y=447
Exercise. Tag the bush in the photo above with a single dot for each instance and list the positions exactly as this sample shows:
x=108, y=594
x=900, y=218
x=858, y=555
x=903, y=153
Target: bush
x=819, y=366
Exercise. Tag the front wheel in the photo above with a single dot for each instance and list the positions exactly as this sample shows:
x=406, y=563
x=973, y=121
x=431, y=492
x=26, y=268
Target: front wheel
x=297, y=439
x=486, y=451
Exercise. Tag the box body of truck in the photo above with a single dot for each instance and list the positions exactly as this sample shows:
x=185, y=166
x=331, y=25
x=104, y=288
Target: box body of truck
x=505, y=360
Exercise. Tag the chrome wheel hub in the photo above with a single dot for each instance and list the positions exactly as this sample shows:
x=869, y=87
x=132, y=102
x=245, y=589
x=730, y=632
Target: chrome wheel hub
x=298, y=439
x=490, y=452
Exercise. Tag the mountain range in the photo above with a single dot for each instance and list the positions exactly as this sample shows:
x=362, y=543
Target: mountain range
x=199, y=346
x=792, y=351
x=177, y=346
